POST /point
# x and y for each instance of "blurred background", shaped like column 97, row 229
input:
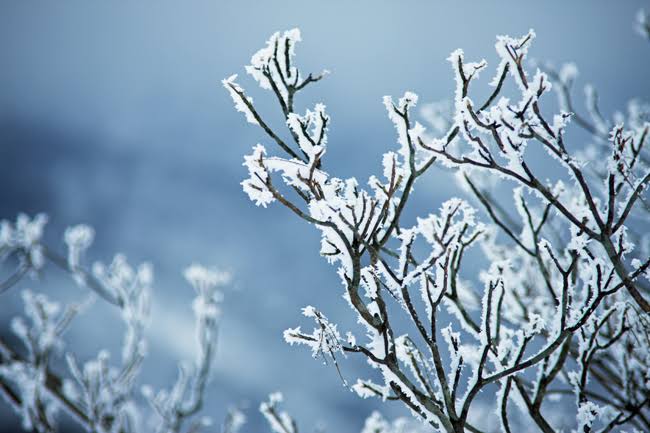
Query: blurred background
column 112, row 114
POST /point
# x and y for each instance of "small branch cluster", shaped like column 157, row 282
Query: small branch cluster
column 281, row 421
column 96, row 393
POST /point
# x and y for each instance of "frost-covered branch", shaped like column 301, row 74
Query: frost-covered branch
column 280, row 421
column 565, row 292
column 185, row 399
column 96, row 393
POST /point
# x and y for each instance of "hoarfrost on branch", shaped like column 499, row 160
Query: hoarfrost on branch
column 561, row 310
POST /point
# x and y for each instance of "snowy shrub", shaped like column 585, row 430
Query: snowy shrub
column 99, row 393
column 558, row 312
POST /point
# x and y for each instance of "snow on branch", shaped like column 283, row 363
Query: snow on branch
column 98, row 393
column 565, row 260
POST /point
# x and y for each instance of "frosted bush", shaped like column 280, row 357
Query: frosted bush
column 100, row 393
column 559, row 313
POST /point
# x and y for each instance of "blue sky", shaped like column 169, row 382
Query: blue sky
column 112, row 114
